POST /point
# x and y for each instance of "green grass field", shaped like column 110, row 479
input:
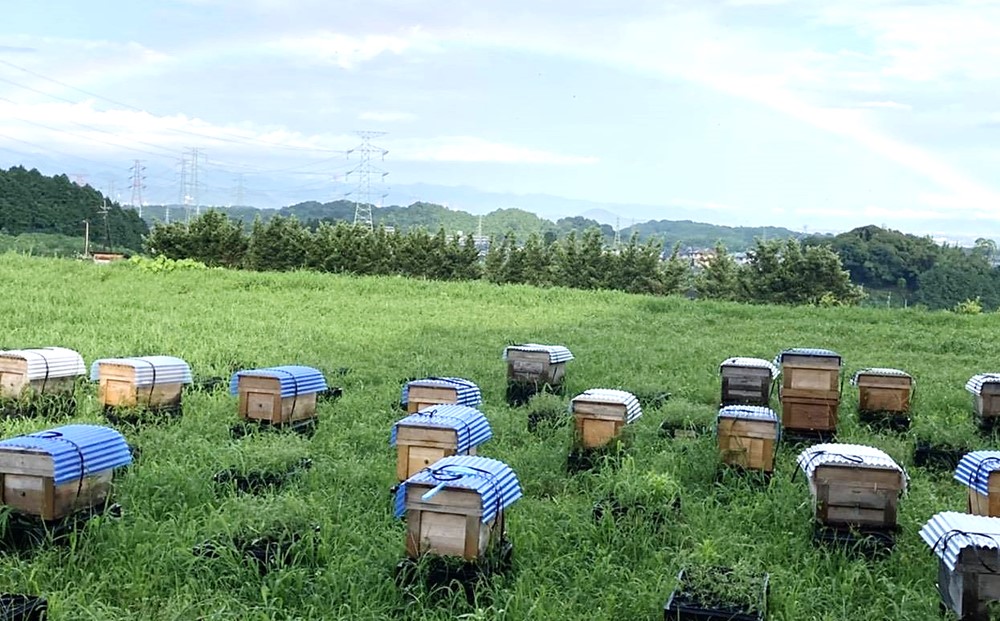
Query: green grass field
column 386, row 329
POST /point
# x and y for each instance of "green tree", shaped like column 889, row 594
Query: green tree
column 280, row 245
column 719, row 279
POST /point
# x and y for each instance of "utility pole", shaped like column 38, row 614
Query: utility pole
column 182, row 186
column 239, row 190
column 86, row 239
column 365, row 170
column 618, row 233
column 195, row 185
column 137, row 186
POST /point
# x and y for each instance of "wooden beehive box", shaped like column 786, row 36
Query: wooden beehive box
column 810, row 374
column 436, row 432
column 140, row 382
column 801, row 414
column 968, row 551
column 747, row 381
column 420, row 394
column 853, row 486
column 600, row 414
column 980, row 472
column 44, row 371
column 537, row 364
column 747, row 436
column 55, row 473
column 883, row 390
column 277, row 395
column 456, row 508
column 985, row 389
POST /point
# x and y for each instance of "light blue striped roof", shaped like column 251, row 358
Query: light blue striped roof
column 294, row 380
column 749, row 412
column 855, row 455
column 880, row 371
column 149, row 370
column 557, row 353
column 494, row 480
column 609, row 395
column 76, row 450
column 807, row 351
column 470, row 425
column 974, row 469
column 468, row 393
column 48, row 362
column 950, row 532
column 756, row 363
column 975, row 383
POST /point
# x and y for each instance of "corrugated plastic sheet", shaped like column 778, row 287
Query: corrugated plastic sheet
column 294, row 380
column 855, row 455
column 470, row 425
column 749, row 412
column 881, row 372
column 950, row 532
column 468, row 393
column 149, row 370
column 49, row 362
column 76, row 450
column 557, row 353
column 494, row 480
column 632, row 408
column 807, row 351
column 975, row 383
column 756, row 363
column 974, row 469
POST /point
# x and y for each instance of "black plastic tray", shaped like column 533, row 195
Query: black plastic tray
column 143, row 417
column 520, row 393
column 439, row 573
column 260, row 481
column 267, row 552
column 306, row 427
column 938, row 456
column 18, row 607
column 867, row 542
column 805, row 437
column 677, row 430
column 684, row 606
column 884, row 421
column 618, row 510
column 26, row 532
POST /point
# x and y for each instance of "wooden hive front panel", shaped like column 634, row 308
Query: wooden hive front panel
column 534, row 367
column 260, row 400
column 878, row 393
column 419, row 447
column 986, row 504
column 988, row 401
column 597, row 423
column 448, row 524
column 856, row 496
column 968, row 589
column 747, row 443
column 419, row 397
column 809, row 414
column 27, row 485
column 14, row 382
column 117, row 388
column 746, row 386
column 814, row 377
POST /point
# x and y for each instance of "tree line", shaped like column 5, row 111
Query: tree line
column 777, row 271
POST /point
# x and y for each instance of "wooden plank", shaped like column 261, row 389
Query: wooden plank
column 39, row 496
column 811, row 393
column 988, row 405
column 416, row 458
column 441, row 437
column 21, row 461
column 748, row 428
column 595, row 432
column 420, row 397
column 884, row 478
column 13, row 377
column 809, row 414
column 884, row 398
column 599, row 409
column 809, row 362
column 530, row 366
column 750, row 385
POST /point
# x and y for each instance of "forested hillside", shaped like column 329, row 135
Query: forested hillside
column 31, row 202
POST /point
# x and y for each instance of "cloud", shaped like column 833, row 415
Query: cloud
column 471, row 149
column 888, row 105
column 344, row 51
column 386, row 117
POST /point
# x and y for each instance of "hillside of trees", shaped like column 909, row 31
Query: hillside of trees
column 31, row 202
column 778, row 271
column 498, row 223
column 916, row 269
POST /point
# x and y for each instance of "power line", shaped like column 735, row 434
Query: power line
column 365, row 170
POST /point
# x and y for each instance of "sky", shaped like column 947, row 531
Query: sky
column 811, row 114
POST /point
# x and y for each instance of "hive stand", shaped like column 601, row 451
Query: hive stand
column 26, row 532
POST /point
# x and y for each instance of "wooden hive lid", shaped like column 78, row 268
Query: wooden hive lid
column 493, row 480
column 976, row 382
column 65, row 453
column 949, row 533
column 754, row 363
column 149, row 370
column 811, row 352
column 557, row 353
column 467, row 392
column 48, row 362
column 470, row 425
column 847, row 456
column 880, row 372
column 975, row 468
column 633, row 409
column 292, row 379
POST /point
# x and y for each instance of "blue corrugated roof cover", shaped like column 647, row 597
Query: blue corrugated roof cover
column 149, row 370
column 468, row 393
column 974, row 470
column 494, row 480
column 76, row 450
column 294, row 380
column 470, row 425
